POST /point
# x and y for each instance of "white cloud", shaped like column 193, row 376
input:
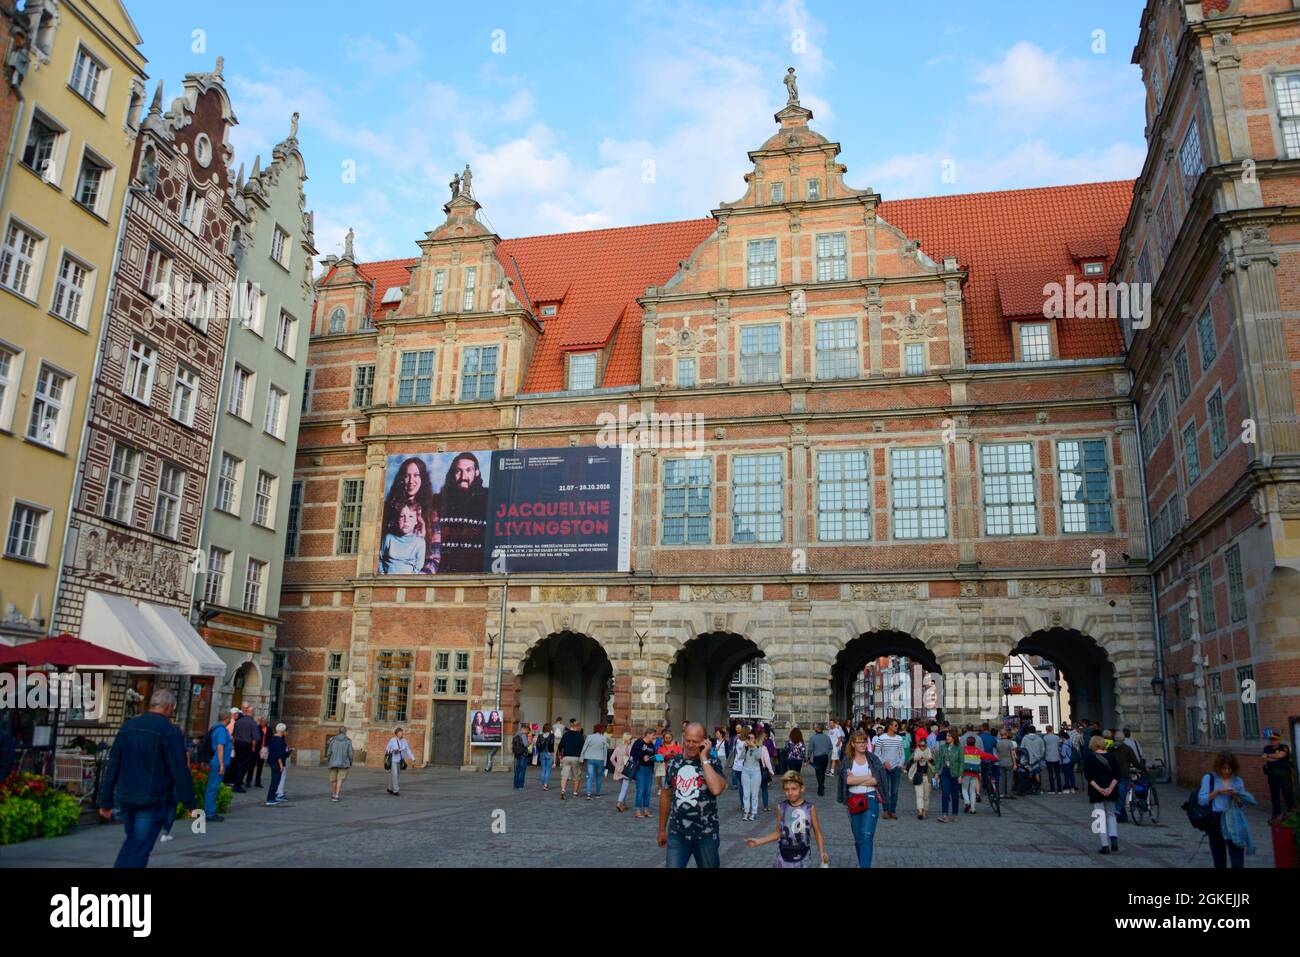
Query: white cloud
column 383, row 59
column 1029, row 80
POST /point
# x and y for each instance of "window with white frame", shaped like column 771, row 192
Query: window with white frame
column 280, row 247
column 264, row 500
column 760, row 262
column 10, row 369
column 1094, row 268
column 687, row 501
column 415, row 378
column 87, row 74
column 478, row 373
column 123, row 473
column 1010, row 505
column 843, row 496
column 914, row 358
column 94, row 184
column 1189, row 157
column 1236, row 583
column 156, row 277
column 241, row 393
column 46, row 144
column 228, row 481
column 141, row 366
column 919, row 493
column 167, row 507
column 192, row 210
column 1191, row 453
column 214, row 586
column 277, row 412
column 832, row 257
column 286, row 334
column 28, row 532
column 1085, row 485
column 338, row 320
column 293, row 520
column 439, row 289
column 776, row 193
column 1182, row 376
column 837, row 349
column 1205, row 335
column 1287, row 89
column 1218, row 426
column 1035, row 342
column 686, row 373
column 71, row 291
column 349, row 532
column 254, row 578
column 760, row 353
column 471, row 287
column 19, row 260
column 582, row 371
column 756, row 513
column 185, row 393
column 48, row 423
column 250, row 306
column 363, row 386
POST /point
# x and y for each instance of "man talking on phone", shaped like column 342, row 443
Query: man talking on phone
column 688, row 804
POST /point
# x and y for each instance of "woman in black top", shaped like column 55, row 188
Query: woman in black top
column 1101, row 774
column 545, row 745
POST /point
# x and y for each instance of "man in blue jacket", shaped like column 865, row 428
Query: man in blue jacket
column 146, row 777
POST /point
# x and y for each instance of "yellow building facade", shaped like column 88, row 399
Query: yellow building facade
column 83, row 89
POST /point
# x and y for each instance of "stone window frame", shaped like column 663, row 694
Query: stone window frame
column 734, row 461
column 760, row 358
column 918, row 508
column 1218, row 422
column 394, row 672
column 1010, row 504
column 1207, row 339
column 569, row 377
column 480, row 373
column 839, row 354
column 1249, row 709
column 1182, row 376
column 1191, row 158
column 348, row 522
column 693, row 379
column 363, row 389
column 831, row 259
column 1235, row 574
column 1208, row 613
column 776, row 193
column 909, row 349
column 337, row 324
column 1041, row 333
column 1218, row 706
column 1083, row 471
column 165, row 496
column 763, row 264
column 469, row 289
column 293, row 519
column 415, row 377
column 686, row 515
column 820, row 481
column 1191, row 452
column 1286, row 126
column 438, row 291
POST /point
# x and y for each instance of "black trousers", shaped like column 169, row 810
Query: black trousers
column 255, row 765
column 819, row 765
column 1281, row 793
column 1221, row 849
column 238, row 769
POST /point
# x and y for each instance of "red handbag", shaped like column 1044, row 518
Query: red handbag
column 858, row 803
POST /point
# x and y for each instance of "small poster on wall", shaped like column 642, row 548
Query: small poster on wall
column 485, row 729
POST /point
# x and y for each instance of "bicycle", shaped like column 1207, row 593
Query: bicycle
column 989, row 772
column 1142, row 800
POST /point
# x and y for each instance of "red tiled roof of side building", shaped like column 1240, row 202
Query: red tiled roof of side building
column 1024, row 232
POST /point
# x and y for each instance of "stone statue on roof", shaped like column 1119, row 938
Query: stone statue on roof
column 792, row 86
column 465, row 178
column 293, row 126
column 455, row 186
column 347, row 244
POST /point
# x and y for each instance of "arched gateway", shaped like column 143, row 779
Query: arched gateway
column 569, row 675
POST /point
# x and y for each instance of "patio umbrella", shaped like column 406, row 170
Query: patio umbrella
column 63, row 652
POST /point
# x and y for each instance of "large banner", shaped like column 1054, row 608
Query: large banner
column 507, row 511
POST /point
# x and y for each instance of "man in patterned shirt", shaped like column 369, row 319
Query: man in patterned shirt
column 688, row 804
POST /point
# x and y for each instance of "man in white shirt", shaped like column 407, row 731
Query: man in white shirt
column 836, row 734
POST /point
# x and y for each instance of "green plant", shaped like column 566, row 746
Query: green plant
column 199, row 777
column 30, row 806
column 1292, row 823
column 20, row 819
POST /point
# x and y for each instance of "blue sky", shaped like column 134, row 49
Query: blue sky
column 562, row 118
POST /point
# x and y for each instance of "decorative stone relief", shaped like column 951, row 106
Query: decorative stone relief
column 1054, row 587
column 885, row 591
column 567, row 594
column 720, row 593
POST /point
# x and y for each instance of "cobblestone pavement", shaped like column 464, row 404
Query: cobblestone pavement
column 445, row 818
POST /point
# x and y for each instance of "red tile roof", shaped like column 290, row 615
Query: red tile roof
column 1010, row 242
column 1020, row 233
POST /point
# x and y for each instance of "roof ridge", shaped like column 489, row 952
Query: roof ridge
column 612, row 229
column 1009, row 192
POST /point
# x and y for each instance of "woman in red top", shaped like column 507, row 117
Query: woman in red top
column 663, row 755
column 970, row 775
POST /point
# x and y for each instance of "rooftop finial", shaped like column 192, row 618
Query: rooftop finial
column 792, row 86
column 155, row 108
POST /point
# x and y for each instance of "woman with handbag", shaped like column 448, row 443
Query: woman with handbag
column 1102, row 775
column 545, row 747
column 766, row 770
column 796, row 752
column 951, row 761
column 395, row 757
column 750, row 758
column 861, row 777
column 622, row 771
column 920, row 770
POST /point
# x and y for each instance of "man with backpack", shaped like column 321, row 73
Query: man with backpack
column 1125, row 760
column 520, row 746
column 217, row 752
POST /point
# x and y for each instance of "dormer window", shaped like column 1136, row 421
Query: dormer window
column 1095, row 268
column 582, row 371
column 1035, row 342
column 548, row 311
column 778, row 193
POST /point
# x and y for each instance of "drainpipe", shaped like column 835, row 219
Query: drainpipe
column 501, row 633
column 1155, row 605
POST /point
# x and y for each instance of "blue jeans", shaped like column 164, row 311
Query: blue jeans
column 751, row 780
column 1067, row 768
column 948, row 784
column 596, row 772
column 738, row 786
column 645, row 780
column 210, row 792
column 1054, row 775
column 1120, row 792
column 895, row 776
column 864, row 830
column 682, row 849
column 544, row 763
column 521, row 770
column 143, row 825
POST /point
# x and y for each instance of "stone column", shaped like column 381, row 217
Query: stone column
column 446, row 364
column 649, row 342
column 799, row 479
column 722, row 316
column 875, row 360
column 512, row 361
column 952, row 301
column 353, row 706
column 1134, row 500
column 964, row 481
column 643, row 540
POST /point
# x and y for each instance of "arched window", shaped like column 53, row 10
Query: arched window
column 337, row 318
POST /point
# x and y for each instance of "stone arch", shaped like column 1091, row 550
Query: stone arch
column 1086, row 666
column 856, row 653
column 700, row 673
column 564, row 673
column 245, row 684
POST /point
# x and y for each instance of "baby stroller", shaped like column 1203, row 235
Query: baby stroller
column 1022, row 780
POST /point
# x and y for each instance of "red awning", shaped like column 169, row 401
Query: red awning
column 65, row 651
